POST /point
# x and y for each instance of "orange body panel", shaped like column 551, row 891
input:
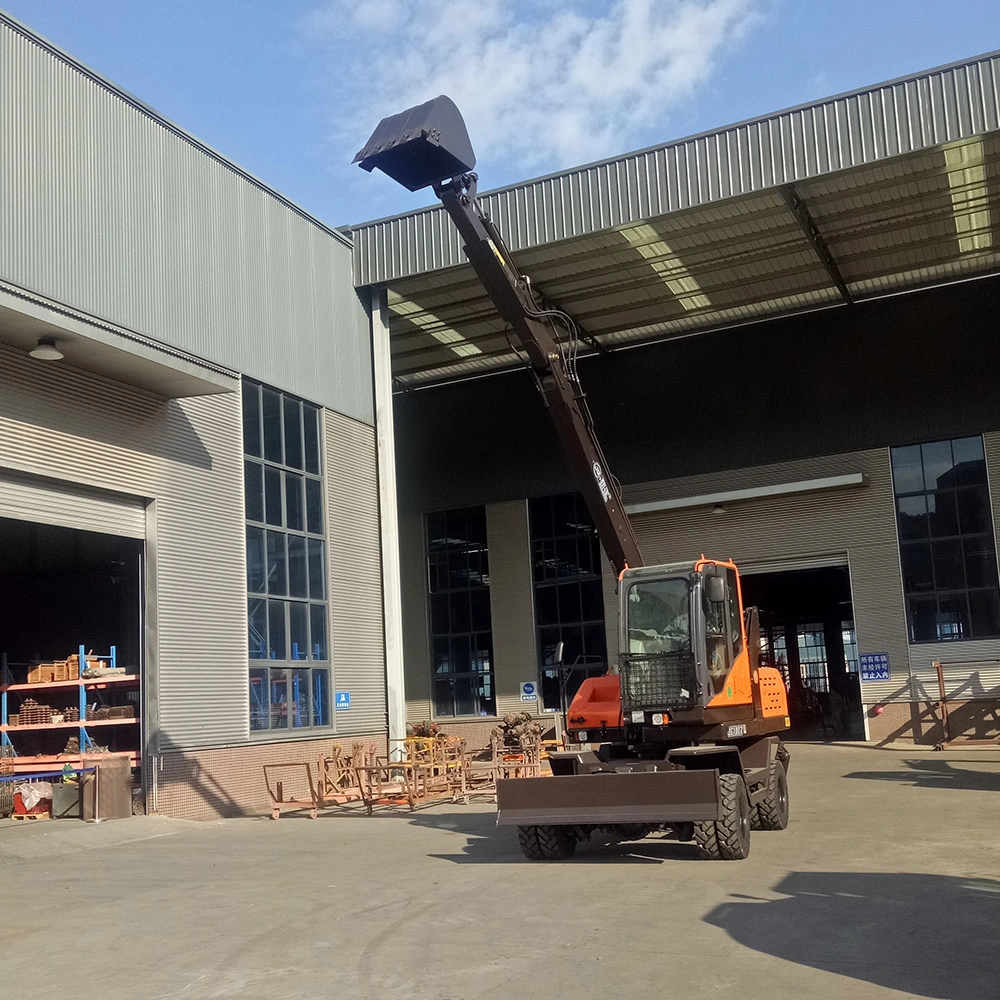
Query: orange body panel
column 597, row 704
column 773, row 696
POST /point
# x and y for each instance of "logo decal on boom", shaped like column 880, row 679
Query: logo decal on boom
column 602, row 483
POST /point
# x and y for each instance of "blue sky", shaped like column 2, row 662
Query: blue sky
column 290, row 90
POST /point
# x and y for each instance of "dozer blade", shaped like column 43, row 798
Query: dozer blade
column 609, row 799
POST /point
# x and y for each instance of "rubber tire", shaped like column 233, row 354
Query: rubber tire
column 771, row 813
column 727, row 839
column 546, row 843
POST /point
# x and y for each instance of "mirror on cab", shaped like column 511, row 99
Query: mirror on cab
column 715, row 589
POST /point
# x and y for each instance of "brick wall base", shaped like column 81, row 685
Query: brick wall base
column 211, row 784
column 920, row 721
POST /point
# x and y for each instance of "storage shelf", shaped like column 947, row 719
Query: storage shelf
column 27, row 765
column 83, row 724
column 86, row 682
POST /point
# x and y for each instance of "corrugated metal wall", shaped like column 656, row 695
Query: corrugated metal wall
column 118, row 214
column 357, row 639
column 186, row 457
column 512, row 604
column 862, row 127
column 33, row 498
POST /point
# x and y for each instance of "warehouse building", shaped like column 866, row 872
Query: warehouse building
column 188, row 458
column 213, row 407
column 787, row 336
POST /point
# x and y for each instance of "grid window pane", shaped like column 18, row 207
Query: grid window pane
column 276, row 631
column 256, row 563
column 253, row 488
column 317, row 569
column 301, row 683
column 279, row 699
column 257, row 618
column 321, row 697
column 459, row 613
column 259, row 711
column 292, row 411
column 314, row 506
column 294, row 506
column 310, row 427
column 285, row 560
column 272, row 497
column 272, row 424
column 251, row 419
column 947, row 547
column 317, row 631
column 277, row 564
column 298, row 631
column 298, row 576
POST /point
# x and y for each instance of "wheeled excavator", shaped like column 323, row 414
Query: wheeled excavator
column 688, row 724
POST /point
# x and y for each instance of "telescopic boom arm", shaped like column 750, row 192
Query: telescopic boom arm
column 428, row 146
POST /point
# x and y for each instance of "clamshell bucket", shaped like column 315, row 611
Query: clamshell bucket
column 420, row 146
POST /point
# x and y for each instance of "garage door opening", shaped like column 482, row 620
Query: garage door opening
column 60, row 589
column 807, row 631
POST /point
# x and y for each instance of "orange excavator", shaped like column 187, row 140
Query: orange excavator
column 688, row 723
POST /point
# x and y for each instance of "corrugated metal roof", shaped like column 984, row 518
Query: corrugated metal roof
column 898, row 182
column 862, row 127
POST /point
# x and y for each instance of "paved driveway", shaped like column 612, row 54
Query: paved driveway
column 886, row 884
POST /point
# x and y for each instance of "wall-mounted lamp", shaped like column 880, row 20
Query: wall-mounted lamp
column 718, row 509
column 46, row 350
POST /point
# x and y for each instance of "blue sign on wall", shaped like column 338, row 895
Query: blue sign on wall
column 874, row 666
column 343, row 701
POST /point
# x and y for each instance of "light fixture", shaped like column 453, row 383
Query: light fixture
column 47, row 350
column 718, row 509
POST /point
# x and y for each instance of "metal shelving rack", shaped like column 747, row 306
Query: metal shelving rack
column 83, row 684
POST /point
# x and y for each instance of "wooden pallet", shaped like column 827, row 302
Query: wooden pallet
column 41, row 815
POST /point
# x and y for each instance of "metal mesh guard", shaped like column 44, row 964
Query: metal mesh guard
column 657, row 682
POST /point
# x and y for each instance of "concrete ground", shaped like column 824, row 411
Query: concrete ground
column 884, row 885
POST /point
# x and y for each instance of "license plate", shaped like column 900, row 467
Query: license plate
column 733, row 731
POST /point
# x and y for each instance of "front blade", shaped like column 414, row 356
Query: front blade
column 608, row 799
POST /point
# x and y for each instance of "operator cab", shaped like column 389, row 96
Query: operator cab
column 681, row 636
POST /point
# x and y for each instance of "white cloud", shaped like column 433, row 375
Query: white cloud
column 542, row 85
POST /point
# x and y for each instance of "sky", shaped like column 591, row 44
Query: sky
column 291, row 90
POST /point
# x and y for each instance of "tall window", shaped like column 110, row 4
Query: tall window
column 946, row 540
column 569, row 595
column 286, row 562
column 458, row 579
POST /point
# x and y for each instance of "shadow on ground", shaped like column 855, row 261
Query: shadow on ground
column 937, row 774
column 926, row 935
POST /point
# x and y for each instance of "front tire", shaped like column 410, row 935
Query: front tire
column 727, row 839
column 772, row 811
column 546, row 843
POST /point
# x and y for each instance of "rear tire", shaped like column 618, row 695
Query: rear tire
column 727, row 839
column 546, row 843
column 771, row 813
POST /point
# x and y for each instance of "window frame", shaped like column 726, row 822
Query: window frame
column 440, row 584
column 268, row 674
column 966, row 545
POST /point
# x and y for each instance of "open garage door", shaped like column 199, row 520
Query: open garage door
column 69, row 505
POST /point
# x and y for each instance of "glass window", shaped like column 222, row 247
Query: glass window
column 253, row 487
column 946, row 540
column 310, row 429
column 569, row 595
column 251, row 419
column 286, row 559
column 292, row 410
column 461, row 637
column 272, row 425
column 256, row 564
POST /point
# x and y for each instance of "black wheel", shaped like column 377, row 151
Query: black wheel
column 727, row 839
column 546, row 843
column 771, row 813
